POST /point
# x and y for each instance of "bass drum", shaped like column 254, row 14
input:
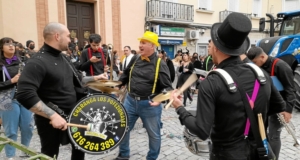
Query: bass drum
column 195, row 145
column 107, row 123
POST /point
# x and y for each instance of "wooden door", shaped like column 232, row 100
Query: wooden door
column 80, row 18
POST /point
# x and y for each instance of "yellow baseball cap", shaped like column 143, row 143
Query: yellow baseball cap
column 151, row 37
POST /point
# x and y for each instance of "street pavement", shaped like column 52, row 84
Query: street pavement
column 172, row 146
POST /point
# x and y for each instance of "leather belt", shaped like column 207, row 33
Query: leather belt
column 138, row 98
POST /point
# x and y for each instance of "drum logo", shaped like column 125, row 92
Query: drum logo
column 100, row 120
column 99, row 127
column 105, row 122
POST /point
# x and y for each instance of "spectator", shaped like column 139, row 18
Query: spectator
column 162, row 54
column 93, row 58
column 133, row 52
column 186, row 70
column 29, row 51
column 15, row 116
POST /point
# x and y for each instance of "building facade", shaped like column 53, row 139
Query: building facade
column 181, row 24
column 117, row 21
column 193, row 19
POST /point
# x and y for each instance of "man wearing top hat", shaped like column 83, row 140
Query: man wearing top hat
column 146, row 75
column 221, row 113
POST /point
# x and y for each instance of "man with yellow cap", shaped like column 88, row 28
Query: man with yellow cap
column 146, row 76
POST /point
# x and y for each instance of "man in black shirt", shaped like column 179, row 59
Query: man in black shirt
column 46, row 78
column 93, row 59
column 145, row 76
column 220, row 112
column 283, row 72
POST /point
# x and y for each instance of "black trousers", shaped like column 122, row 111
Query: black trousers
column 187, row 94
column 51, row 139
column 241, row 150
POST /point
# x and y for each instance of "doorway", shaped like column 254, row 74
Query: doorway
column 80, row 18
column 169, row 49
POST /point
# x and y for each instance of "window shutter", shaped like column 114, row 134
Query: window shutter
column 292, row 5
column 203, row 4
column 233, row 5
column 256, row 7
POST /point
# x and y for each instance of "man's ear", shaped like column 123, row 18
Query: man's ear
column 56, row 36
column 215, row 49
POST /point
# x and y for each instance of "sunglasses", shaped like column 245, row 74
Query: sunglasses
column 9, row 44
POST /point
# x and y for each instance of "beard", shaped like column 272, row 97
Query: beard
column 63, row 46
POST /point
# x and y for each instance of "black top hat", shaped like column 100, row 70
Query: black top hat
column 231, row 36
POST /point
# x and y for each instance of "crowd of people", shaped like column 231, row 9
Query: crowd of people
column 36, row 80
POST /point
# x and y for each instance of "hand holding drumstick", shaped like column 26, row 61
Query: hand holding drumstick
column 175, row 94
column 87, row 127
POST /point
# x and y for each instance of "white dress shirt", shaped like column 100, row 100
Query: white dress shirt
column 127, row 60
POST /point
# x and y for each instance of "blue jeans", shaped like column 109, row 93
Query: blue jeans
column 275, row 129
column 18, row 116
column 151, row 118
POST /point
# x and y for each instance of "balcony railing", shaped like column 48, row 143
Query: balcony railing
column 224, row 14
column 167, row 11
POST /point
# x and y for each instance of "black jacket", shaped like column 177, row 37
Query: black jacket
column 171, row 69
column 285, row 75
column 220, row 113
column 12, row 70
column 47, row 77
column 98, row 67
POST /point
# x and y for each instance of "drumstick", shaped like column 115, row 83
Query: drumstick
column 87, row 127
column 261, row 127
column 185, row 86
column 77, row 125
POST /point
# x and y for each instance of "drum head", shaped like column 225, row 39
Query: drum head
column 107, row 123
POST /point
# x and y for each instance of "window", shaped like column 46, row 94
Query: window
column 202, row 50
column 256, row 8
column 233, row 5
column 204, row 4
column 291, row 26
column 291, row 5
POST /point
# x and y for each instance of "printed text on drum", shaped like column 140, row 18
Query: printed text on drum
column 91, row 145
column 102, row 99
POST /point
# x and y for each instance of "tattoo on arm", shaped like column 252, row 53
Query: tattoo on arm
column 42, row 109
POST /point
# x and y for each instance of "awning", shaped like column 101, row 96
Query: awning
column 169, row 42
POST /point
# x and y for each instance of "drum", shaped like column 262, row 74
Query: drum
column 107, row 123
column 194, row 143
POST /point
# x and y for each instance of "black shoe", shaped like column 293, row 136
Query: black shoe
column 121, row 158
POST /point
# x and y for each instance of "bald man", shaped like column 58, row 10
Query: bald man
column 46, row 78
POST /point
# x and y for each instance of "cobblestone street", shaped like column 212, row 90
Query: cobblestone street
column 173, row 147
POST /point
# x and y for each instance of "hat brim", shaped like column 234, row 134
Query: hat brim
column 149, row 40
column 232, row 52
